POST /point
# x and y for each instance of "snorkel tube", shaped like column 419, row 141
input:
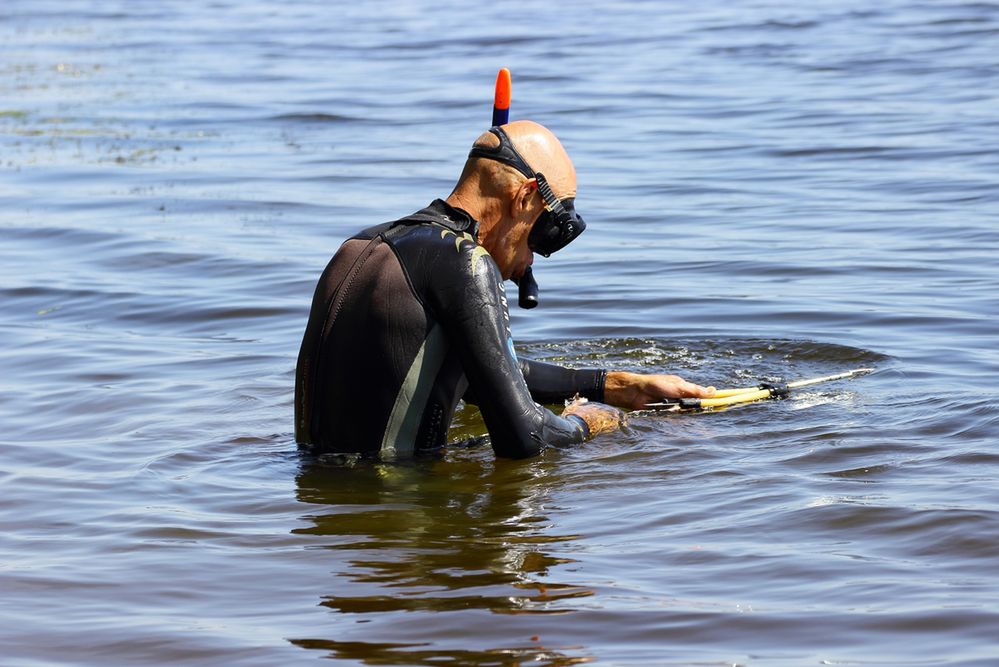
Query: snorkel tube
column 528, row 297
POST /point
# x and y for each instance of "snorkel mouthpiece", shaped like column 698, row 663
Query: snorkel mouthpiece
column 528, row 296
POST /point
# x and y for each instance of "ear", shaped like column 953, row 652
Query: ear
column 524, row 201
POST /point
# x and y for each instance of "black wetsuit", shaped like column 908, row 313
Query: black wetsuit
column 408, row 318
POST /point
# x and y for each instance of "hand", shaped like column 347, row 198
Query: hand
column 632, row 391
column 598, row 417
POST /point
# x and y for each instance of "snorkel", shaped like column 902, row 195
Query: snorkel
column 501, row 100
column 528, row 297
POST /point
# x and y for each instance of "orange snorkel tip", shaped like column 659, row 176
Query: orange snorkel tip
column 501, row 101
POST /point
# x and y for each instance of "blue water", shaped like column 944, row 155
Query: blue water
column 772, row 192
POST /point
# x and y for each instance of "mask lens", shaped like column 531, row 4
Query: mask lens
column 553, row 232
column 557, row 225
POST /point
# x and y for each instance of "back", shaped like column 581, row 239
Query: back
column 376, row 373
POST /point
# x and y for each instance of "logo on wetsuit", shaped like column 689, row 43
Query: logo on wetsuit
column 477, row 251
column 506, row 321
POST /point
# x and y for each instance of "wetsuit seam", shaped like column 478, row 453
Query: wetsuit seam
column 406, row 274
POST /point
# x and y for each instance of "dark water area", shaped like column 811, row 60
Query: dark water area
column 772, row 191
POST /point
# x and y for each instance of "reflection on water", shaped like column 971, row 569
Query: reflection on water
column 415, row 654
column 439, row 535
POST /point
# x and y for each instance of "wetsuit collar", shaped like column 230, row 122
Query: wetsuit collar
column 441, row 213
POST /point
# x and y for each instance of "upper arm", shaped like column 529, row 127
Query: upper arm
column 473, row 308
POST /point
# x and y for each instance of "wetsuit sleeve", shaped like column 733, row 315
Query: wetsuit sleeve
column 472, row 306
column 550, row 383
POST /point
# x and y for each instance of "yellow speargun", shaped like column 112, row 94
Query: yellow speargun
column 725, row 397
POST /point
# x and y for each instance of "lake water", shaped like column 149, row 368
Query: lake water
column 773, row 191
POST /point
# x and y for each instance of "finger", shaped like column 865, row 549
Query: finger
column 691, row 390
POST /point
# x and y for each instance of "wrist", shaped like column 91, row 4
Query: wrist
column 579, row 421
column 600, row 392
column 616, row 383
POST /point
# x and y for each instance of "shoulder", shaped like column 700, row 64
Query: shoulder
column 443, row 252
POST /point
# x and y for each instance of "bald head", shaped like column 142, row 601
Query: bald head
column 540, row 148
column 506, row 202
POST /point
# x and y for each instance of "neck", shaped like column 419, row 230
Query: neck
column 487, row 210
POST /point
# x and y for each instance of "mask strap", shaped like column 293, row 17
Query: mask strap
column 504, row 153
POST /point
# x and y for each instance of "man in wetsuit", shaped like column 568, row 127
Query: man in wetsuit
column 411, row 316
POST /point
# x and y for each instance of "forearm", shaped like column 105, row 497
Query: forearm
column 519, row 428
column 633, row 391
